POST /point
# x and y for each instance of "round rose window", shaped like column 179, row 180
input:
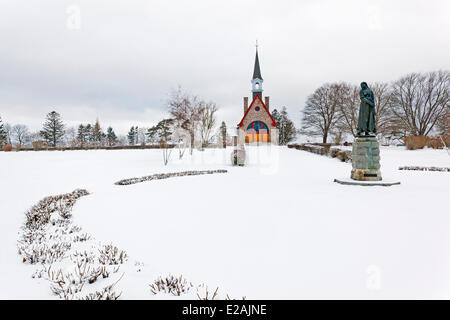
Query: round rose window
column 257, row 108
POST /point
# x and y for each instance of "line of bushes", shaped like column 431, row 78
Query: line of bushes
column 417, row 168
column 159, row 176
column 9, row 147
column 420, row 142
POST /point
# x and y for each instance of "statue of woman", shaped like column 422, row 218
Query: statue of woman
column 366, row 120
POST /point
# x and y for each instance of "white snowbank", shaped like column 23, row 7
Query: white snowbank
column 278, row 228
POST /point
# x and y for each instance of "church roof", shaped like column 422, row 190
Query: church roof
column 256, row 69
column 265, row 108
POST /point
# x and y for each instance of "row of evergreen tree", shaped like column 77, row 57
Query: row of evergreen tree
column 54, row 132
column 93, row 134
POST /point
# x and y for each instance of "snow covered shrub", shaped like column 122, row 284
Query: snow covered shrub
column 438, row 142
column 204, row 294
column 111, row 255
column 69, row 284
column 49, row 238
column 38, row 145
column 343, row 155
column 39, row 215
column 415, row 142
column 171, row 285
column 104, row 294
column 160, row 176
column 418, row 168
column 419, row 142
column 7, row 147
column 178, row 286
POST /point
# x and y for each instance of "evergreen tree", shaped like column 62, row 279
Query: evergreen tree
column 131, row 136
column 223, row 133
column 3, row 133
column 165, row 129
column 136, row 135
column 97, row 133
column 88, row 133
column 81, row 135
column 287, row 131
column 152, row 134
column 53, row 129
column 276, row 116
column 161, row 132
column 111, row 136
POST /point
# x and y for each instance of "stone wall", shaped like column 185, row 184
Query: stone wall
column 324, row 149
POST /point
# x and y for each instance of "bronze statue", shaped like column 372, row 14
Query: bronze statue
column 366, row 120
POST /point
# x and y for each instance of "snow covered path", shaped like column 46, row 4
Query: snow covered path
column 279, row 228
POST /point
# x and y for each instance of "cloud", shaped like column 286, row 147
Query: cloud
column 118, row 60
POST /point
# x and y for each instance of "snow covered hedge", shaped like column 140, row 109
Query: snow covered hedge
column 324, row 150
column 159, row 176
column 417, row 168
column 69, row 259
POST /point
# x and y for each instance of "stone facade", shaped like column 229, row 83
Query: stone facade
column 366, row 159
column 258, row 112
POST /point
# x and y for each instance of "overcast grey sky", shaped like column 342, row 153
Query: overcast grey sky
column 120, row 59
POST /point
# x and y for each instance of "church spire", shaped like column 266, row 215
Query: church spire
column 257, row 78
column 256, row 69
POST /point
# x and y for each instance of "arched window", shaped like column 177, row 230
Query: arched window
column 257, row 131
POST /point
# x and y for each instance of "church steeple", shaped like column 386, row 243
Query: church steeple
column 257, row 79
column 256, row 69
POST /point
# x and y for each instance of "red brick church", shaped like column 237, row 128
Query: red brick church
column 257, row 125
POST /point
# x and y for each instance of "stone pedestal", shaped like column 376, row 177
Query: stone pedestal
column 238, row 156
column 366, row 159
column 238, row 153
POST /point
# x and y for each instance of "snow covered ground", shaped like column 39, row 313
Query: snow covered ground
column 277, row 228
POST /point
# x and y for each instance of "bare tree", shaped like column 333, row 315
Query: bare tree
column 207, row 122
column 443, row 123
column 321, row 112
column 70, row 136
column 421, row 100
column 185, row 110
column 384, row 121
column 9, row 133
column 142, row 135
column 182, row 139
column 21, row 133
column 348, row 109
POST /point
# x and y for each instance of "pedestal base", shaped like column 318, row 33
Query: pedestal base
column 238, row 156
column 366, row 159
column 384, row 183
